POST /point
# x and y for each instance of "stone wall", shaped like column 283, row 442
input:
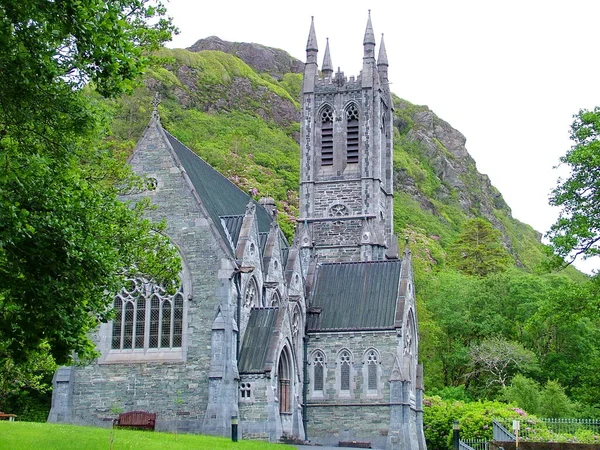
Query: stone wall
column 177, row 391
column 361, row 414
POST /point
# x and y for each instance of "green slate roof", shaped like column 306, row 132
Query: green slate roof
column 219, row 196
column 261, row 327
column 355, row 296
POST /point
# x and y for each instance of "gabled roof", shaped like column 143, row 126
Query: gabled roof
column 220, row 197
column 355, row 296
column 257, row 344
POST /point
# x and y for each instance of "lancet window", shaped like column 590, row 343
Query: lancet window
column 284, row 377
column 372, row 361
column 318, row 372
column 344, row 367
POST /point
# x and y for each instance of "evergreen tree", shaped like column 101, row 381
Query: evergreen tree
column 478, row 249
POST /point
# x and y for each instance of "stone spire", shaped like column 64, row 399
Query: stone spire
column 327, row 66
column 382, row 59
column 369, row 69
column 311, row 67
column 369, row 40
column 311, row 44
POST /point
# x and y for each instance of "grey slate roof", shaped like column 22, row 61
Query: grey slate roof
column 355, row 296
column 219, row 196
column 255, row 348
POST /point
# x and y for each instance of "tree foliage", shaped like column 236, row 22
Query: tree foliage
column 478, row 249
column 65, row 239
column 577, row 230
column 498, row 359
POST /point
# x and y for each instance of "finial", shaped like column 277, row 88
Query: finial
column 155, row 102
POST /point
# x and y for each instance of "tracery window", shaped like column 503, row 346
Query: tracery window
column 146, row 317
column 250, row 296
column 352, row 138
column 245, row 390
column 338, row 210
column 318, row 371
column 344, row 363
column 326, row 136
column 372, row 378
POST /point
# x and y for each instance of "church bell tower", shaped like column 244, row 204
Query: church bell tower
column 346, row 191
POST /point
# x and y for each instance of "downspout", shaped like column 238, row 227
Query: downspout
column 305, row 386
column 237, row 281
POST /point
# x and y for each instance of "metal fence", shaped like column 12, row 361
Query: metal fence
column 556, row 430
column 474, row 444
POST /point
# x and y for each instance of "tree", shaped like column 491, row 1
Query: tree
column 498, row 359
column 478, row 249
column 554, row 402
column 66, row 241
column 577, row 230
column 524, row 392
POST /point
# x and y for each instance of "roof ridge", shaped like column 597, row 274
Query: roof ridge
column 333, row 263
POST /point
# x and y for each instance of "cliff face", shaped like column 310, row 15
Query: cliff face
column 262, row 59
column 236, row 104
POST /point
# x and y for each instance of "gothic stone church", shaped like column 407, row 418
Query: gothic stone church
column 317, row 340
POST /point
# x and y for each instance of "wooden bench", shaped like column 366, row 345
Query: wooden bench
column 10, row 417
column 355, row 444
column 136, row 420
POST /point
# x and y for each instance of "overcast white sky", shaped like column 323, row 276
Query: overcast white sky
column 508, row 74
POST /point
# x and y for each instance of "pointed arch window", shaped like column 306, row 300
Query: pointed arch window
column 352, row 134
column 318, row 372
column 284, row 377
column 372, row 361
column 344, row 364
column 147, row 317
column 326, row 118
column 250, row 296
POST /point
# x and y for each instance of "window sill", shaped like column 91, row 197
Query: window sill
column 142, row 356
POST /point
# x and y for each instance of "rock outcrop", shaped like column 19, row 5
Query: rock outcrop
column 262, row 59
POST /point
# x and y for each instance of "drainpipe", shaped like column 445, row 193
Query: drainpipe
column 238, row 281
column 305, row 386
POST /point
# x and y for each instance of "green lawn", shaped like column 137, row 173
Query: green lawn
column 43, row 436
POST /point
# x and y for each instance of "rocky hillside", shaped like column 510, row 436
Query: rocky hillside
column 236, row 105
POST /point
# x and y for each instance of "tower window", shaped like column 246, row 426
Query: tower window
column 352, row 141
column 327, row 136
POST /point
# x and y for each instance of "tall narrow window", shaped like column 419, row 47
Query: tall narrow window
column 327, row 136
column 284, row 376
column 352, row 140
column 318, row 383
column 372, row 379
column 345, row 371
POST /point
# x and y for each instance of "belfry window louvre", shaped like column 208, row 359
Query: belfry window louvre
column 352, row 134
column 146, row 317
column 327, row 136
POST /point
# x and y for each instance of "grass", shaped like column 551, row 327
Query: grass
column 31, row 435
